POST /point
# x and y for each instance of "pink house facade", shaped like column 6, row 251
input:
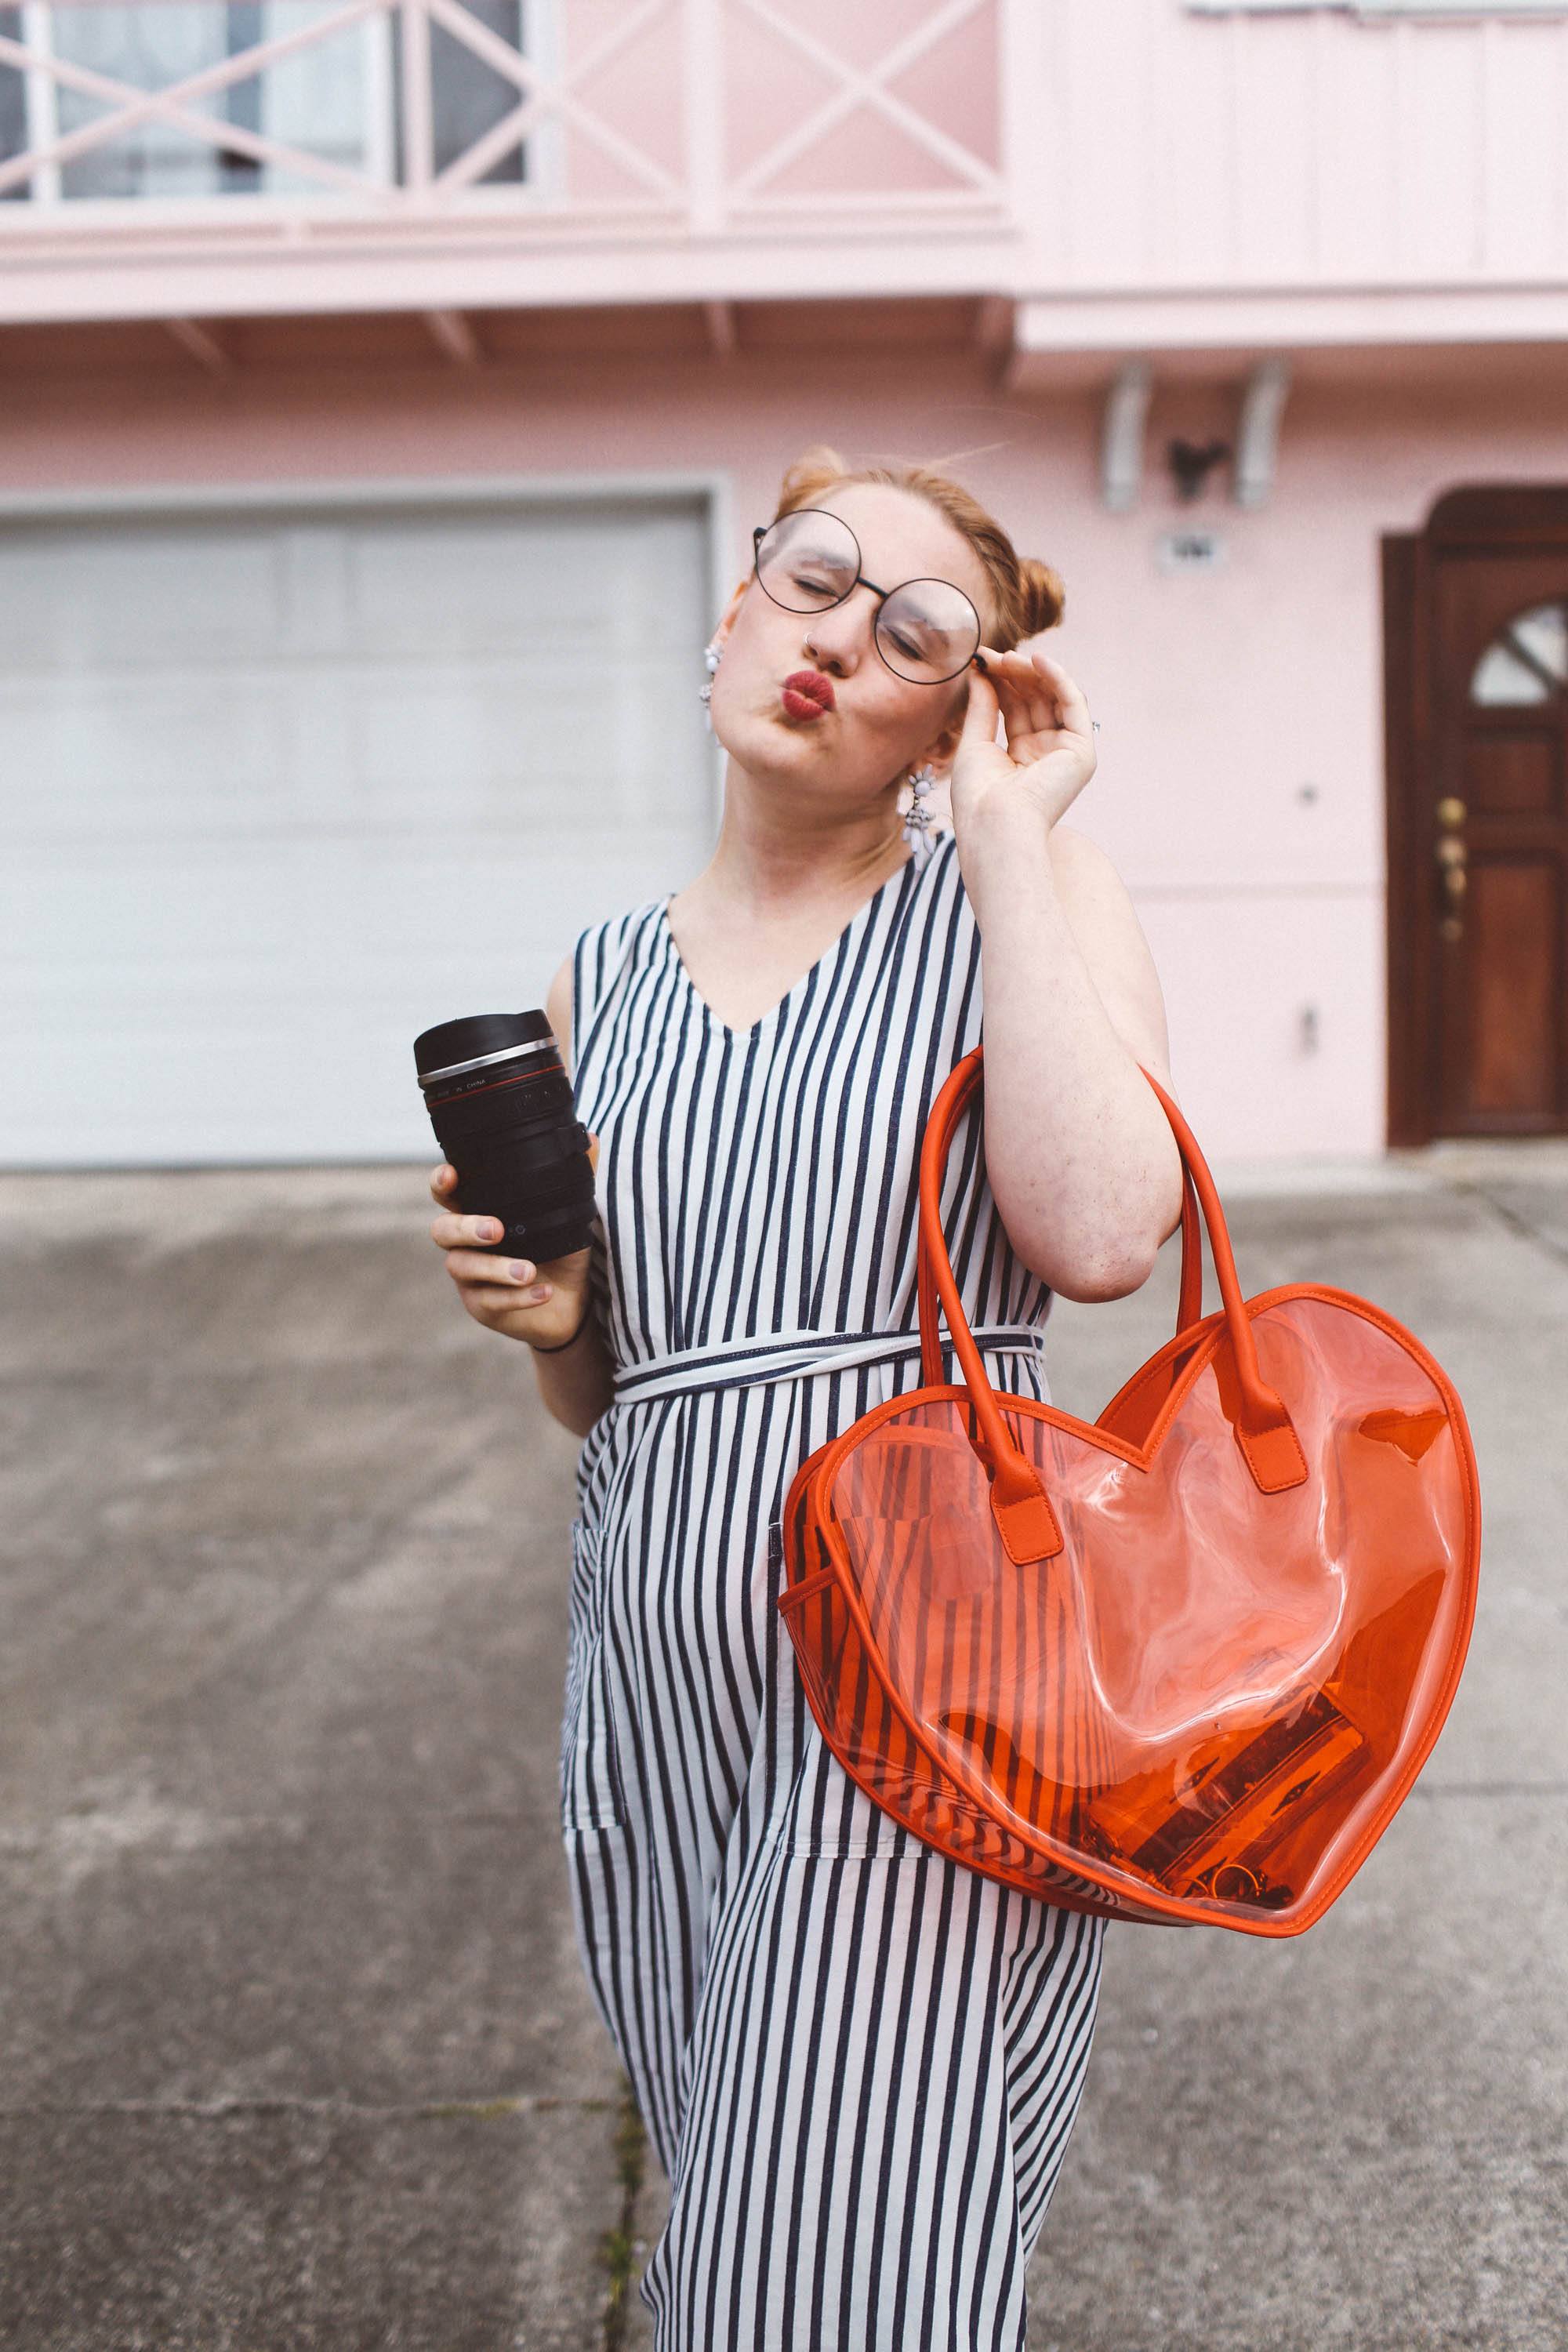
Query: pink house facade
column 388, row 388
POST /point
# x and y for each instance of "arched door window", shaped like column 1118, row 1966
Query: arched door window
column 1526, row 663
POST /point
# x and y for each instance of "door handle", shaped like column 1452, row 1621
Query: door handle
column 1453, row 859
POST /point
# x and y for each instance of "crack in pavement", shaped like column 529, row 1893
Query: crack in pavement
column 1474, row 1189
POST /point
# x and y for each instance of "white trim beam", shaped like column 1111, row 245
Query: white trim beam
column 1206, row 320
column 469, row 264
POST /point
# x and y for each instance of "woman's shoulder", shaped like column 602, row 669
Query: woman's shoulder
column 598, row 943
column 602, row 953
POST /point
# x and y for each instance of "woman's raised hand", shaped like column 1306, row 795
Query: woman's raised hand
column 543, row 1304
column 1048, row 756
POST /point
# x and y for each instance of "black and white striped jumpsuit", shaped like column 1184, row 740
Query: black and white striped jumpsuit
column 857, row 2062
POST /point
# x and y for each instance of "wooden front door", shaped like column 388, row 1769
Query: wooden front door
column 1475, row 622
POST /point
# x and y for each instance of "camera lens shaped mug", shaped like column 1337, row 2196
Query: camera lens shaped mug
column 502, row 1105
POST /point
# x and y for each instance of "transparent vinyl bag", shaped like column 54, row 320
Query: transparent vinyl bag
column 1181, row 1664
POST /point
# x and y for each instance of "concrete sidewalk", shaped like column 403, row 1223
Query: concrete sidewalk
column 298, row 2051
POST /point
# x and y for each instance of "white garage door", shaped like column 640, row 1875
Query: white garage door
column 285, row 787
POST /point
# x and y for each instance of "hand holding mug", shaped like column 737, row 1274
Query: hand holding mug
column 541, row 1304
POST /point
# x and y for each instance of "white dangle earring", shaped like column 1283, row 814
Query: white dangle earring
column 711, row 657
column 917, row 816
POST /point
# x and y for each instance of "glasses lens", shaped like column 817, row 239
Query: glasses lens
column 928, row 630
column 808, row 560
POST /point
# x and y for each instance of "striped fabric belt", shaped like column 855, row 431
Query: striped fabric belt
column 797, row 1355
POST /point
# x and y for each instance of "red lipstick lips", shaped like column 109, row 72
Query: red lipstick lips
column 807, row 694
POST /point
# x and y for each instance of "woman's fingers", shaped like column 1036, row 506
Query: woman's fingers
column 1069, row 697
column 499, row 1273
column 452, row 1230
column 1037, row 694
column 488, row 1298
column 1025, row 708
column 511, row 1295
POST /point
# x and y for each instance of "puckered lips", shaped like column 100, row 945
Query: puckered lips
column 807, row 694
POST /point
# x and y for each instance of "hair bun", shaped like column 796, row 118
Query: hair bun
column 1045, row 598
column 811, row 477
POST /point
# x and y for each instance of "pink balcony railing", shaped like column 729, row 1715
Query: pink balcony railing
column 340, row 123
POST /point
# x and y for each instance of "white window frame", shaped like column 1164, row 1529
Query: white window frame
column 540, row 29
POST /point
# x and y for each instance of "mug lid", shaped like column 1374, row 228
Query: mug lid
column 478, row 1037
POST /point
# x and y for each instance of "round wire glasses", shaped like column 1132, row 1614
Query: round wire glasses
column 926, row 630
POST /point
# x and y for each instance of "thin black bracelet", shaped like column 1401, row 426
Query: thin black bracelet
column 560, row 1344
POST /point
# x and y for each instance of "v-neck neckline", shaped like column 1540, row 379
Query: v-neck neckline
column 830, row 954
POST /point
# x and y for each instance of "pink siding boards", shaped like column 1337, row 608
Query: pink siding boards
column 1306, row 150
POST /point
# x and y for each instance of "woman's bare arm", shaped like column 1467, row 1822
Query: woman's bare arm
column 1083, row 1165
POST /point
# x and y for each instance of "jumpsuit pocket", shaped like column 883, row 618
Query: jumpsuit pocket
column 827, row 1816
column 591, row 1795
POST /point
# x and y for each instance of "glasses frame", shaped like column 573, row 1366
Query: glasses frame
column 760, row 531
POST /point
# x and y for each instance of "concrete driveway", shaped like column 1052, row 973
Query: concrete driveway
column 297, row 2050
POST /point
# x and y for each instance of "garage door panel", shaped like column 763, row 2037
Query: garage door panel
column 74, row 596
column 333, row 912
column 257, row 1075
column 493, row 754
column 148, row 755
column 141, row 919
column 240, row 753
column 254, row 858
column 528, row 747
column 470, row 589
column 475, row 585
column 208, row 1073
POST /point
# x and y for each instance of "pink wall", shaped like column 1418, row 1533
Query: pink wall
column 1221, row 695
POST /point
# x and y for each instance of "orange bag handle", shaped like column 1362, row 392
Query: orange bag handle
column 1189, row 1300
column 1190, row 1294
column 1019, row 1504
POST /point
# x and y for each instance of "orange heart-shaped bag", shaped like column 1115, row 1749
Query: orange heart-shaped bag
column 1182, row 1663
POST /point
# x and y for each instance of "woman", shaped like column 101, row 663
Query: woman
column 857, row 2062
